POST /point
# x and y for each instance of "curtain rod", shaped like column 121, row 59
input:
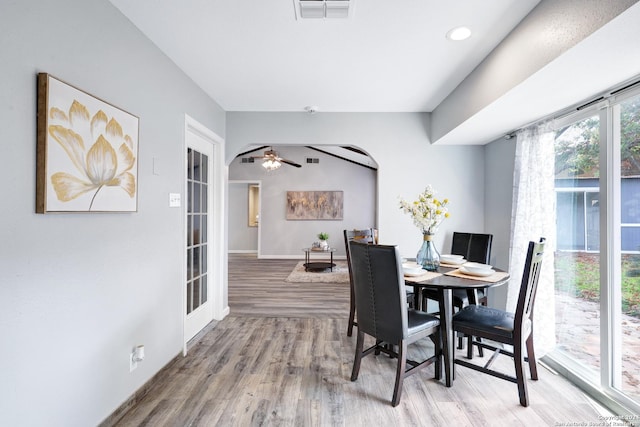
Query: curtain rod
column 607, row 94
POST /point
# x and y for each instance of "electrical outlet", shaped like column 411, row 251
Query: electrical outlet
column 132, row 363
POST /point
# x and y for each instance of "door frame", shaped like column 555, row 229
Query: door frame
column 259, row 184
column 217, row 254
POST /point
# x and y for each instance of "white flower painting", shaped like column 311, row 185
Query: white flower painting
column 87, row 152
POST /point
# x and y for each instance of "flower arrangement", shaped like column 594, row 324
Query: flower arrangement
column 427, row 212
column 323, row 236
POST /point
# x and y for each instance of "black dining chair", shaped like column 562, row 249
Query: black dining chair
column 474, row 247
column 502, row 327
column 367, row 235
column 383, row 313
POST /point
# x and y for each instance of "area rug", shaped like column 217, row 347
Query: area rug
column 340, row 274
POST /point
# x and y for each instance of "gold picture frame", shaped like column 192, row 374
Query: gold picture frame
column 87, row 152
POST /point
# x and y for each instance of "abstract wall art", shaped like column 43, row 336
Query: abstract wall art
column 310, row 205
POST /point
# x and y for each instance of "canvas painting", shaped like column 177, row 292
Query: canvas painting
column 309, row 205
column 87, row 152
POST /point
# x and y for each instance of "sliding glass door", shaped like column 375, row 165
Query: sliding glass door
column 597, row 262
column 626, row 296
column 577, row 260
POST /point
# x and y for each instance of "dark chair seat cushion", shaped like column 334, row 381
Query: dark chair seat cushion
column 482, row 318
column 419, row 320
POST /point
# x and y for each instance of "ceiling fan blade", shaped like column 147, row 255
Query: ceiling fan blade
column 289, row 162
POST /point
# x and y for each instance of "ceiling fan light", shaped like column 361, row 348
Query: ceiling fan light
column 270, row 164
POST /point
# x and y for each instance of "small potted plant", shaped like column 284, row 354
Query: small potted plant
column 323, row 240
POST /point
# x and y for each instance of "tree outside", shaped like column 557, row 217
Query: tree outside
column 577, row 156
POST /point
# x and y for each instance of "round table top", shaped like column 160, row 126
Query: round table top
column 453, row 282
column 319, row 250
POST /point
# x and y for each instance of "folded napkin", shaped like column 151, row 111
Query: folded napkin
column 495, row 277
column 427, row 275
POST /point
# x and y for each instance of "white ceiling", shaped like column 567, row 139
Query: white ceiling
column 390, row 56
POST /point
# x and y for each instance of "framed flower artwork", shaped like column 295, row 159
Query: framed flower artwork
column 87, row 152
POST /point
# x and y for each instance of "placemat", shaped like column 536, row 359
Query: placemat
column 495, row 277
column 427, row 275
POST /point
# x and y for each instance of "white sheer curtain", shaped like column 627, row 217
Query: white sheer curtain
column 533, row 216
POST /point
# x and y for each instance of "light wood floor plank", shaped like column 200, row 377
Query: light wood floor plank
column 282, row 358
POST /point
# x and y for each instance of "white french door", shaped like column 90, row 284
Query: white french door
column 204, row 285
column 199, row 309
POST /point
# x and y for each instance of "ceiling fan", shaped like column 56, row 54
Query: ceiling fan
column 272, row 161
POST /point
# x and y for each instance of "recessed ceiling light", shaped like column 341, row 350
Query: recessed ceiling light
column 459, row 33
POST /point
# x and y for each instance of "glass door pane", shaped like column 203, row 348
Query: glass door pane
column 577, row 261
column 629, row 292
column 197, row 211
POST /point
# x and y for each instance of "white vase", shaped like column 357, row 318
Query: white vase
column 323, row 244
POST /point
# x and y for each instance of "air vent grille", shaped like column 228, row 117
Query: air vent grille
column 248, row 160
column 312, row 160
column 321, row 9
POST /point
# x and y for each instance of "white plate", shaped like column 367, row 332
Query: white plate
column 477, row 272
column 452, row 261
column 413, row 271
column 451, row 257
column 477, row 265
column 411, row 265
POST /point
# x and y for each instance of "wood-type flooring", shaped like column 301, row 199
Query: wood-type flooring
column 283, row 358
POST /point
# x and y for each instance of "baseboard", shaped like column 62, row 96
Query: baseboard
column 296, row 256
column 138, row 395
column 242, row 251
column 300, row 257
column 225, row 312
column 202, row 333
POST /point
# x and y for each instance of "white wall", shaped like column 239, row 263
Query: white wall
column 407, row 162
column 78, row 291
column 282, row 238
column 498, row 194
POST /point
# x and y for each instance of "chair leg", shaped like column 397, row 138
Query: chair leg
column 358, row 357
column 470, row 347
column 400, row 371
column 518, row 358
column 533, row 367
column 377, row 349
column 437, row 345
column 352, row 313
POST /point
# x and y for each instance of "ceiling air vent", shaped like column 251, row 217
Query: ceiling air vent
column 248, row 160
column 320, row 9
column 312, row 160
